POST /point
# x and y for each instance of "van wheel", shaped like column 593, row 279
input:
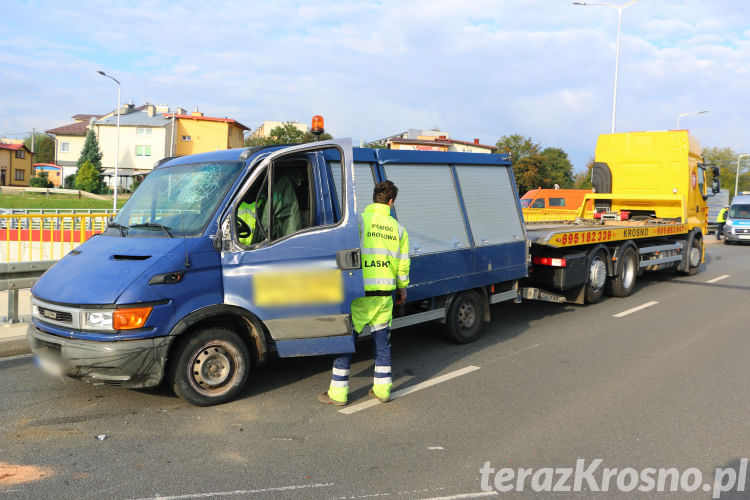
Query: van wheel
column 464, row 321
column 694, row 256
column 210, row 368
column 623, row 285
column 596, row 279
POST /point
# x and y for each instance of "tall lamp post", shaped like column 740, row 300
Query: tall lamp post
column 677, row 125
column 619, row 9
column 737, row 179
column 117, row 139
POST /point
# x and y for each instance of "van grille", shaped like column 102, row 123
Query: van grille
column 60, row 316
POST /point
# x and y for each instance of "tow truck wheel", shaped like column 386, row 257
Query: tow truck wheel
column 694, row 256
column 464, row 321
column 210, row 368
column 597, row 278
column 623, row 285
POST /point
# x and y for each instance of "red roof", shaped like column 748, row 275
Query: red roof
column 77, row 128
column 208, row 119
column 13, row 147
column 475, row 144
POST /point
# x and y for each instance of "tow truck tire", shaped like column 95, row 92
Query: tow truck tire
column 623, row 285
column 464, row 320
column 596, row 279
column 210, row 368
column 695, row 255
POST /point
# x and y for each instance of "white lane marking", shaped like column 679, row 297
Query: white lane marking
column 20, row 356
column 403, row 392
column 723, row 276
column 636, row 309
column 478, row 494
column 238, row 492
column 435, row 448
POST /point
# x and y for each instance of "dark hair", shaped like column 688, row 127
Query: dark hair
column 384, row 192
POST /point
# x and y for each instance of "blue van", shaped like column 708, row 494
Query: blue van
column 180, row 288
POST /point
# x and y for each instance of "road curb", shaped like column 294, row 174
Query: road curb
column 14, row 346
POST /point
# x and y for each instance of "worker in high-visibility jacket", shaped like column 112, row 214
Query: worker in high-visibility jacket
column 385, row 270
column 722, row 220
column 246, row 212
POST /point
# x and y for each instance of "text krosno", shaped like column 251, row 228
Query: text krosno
column 594, row 478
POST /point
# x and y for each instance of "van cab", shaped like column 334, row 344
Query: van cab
column 737, row 226
column 560, row 199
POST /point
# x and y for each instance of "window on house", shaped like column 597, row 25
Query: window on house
column 21, row 154
column 143, row 150
column 142, row 131
column 186, row 138
column 19, row 175
column 65, row 147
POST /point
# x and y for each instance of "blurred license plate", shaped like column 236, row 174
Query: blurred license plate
column 298, row 288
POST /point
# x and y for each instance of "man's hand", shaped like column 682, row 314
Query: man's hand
column 400, row 296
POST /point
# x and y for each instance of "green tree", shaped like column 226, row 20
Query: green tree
column 70, row 182
column 91, row 153
column 582, row 180
column 88, row 178
column 517, row 147
column 381, row 144
column 44, row 148
column 42, row 181
column 557, row 168
column 726, row 160
column 287, row 133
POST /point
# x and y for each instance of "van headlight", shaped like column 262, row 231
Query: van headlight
column 97, row 320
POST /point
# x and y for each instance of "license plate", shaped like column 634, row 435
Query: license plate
column 50, row 365
column 298, row 288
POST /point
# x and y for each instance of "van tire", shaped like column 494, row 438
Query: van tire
column 210, row 367
column 596, row 279
column 464, row 320
column 623, row 284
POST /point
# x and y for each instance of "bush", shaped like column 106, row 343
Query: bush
column 42, row 181
column 70, row 182
column 87, row 178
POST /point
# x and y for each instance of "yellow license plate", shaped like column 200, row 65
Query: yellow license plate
column 298, row 288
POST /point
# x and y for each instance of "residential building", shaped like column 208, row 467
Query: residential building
column 15, row 164
column 69, row 141
column 434, row 140
column 197, row 133
column 264, row 131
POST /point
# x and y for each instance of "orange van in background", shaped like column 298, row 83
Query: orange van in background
column 561, row 199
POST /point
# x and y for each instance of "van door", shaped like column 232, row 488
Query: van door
column 298, row 267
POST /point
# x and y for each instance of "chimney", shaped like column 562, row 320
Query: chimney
column 476, row 141
column 196, row 112
column 442, row 137
column 150, row 109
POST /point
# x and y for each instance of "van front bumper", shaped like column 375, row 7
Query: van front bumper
column 123, row 363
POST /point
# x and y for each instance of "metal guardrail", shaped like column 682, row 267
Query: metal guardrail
column 17, row 276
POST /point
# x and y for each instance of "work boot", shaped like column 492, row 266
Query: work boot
column 383, row 399
column 323, row 397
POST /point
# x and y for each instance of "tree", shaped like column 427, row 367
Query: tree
column 557, row 168
column 582, row 180
column 726, row 160
column 41, row 181
column 287, row 133
column 517, row 147
column 70, row 182
column 535, row 167
column 88, row 178
column 91, row 152
column 380, row 144
column 44, row 148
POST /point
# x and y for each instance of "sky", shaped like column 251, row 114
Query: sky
column 476, row 69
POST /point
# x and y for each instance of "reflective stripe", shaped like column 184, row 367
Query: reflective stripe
column 384, row 251
column 400, row 232
column 402, row 277
column 380, row 281
column 382, row 369
column 341, row 372
column 382, row 381
column 339, row 383
column 379, row 326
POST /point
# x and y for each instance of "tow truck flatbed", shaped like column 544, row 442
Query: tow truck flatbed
column 588, row 232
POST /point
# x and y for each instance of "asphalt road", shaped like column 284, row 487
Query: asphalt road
column 547, row 385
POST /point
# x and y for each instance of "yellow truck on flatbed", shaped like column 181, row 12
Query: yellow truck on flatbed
column 650, row 213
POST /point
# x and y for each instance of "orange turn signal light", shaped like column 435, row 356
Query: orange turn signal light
column 129, row 319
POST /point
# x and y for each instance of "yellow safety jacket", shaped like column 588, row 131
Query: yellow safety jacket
column 246, row 212
column 385, row 250
column 722, row 217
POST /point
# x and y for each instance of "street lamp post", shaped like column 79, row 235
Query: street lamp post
column 117, row 139
column 619, row 9
column 737, row 179
column 677, row 125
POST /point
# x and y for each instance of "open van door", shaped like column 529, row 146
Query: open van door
column 296, row 265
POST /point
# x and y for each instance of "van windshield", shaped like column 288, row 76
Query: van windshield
column 175, row 201
column 525, row 202
column 740, row 211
